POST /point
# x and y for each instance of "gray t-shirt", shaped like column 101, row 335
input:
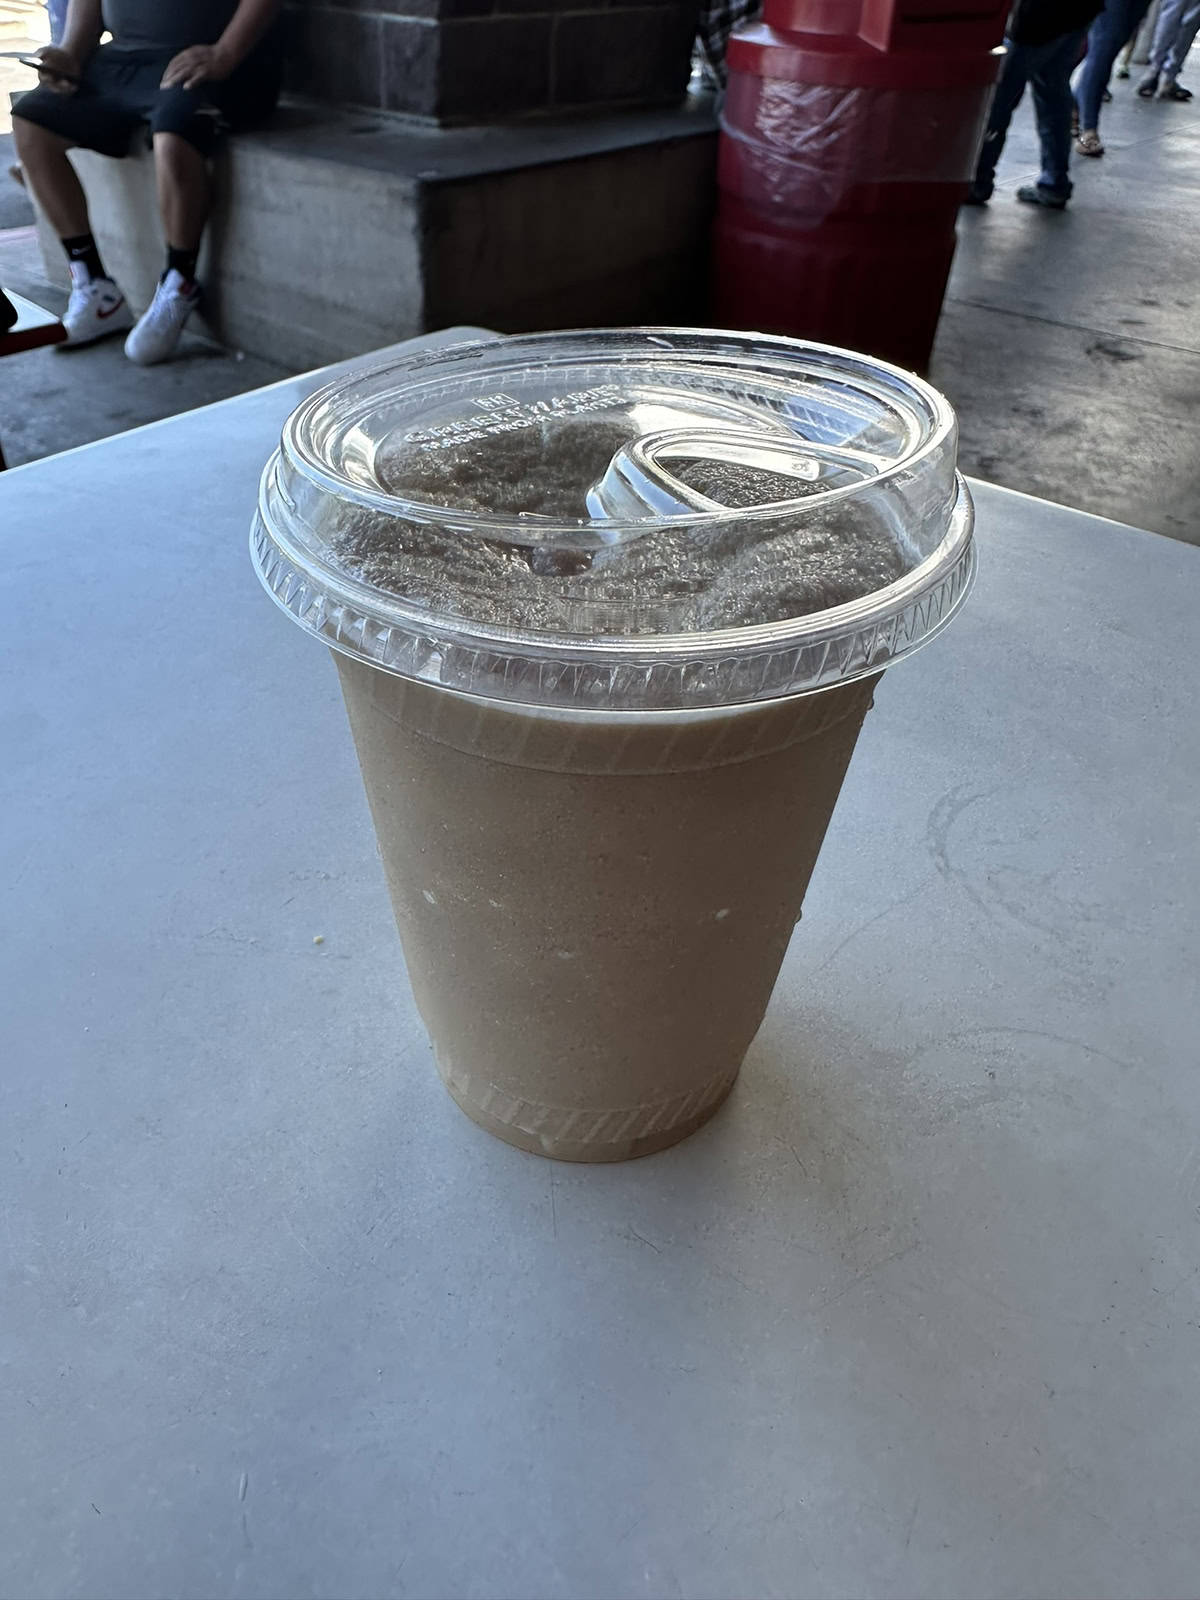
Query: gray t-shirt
column 167, row 25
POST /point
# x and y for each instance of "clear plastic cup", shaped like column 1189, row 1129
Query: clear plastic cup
column 608, row 609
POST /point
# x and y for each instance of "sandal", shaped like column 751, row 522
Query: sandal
column 1088, row 143
column 1149, row 84
column 1173, row 91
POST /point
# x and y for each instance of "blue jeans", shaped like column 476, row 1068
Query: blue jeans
column 1047, row 69
column 1110, row 32
column 58, row 19
column 1178, row 24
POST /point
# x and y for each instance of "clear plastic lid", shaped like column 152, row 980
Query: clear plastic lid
column 648, row 519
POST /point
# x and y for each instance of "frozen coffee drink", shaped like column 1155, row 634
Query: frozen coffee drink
column 608, row 609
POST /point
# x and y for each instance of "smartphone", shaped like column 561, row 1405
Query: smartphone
column 39, row 65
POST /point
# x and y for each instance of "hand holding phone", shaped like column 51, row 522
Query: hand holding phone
column 56, row 69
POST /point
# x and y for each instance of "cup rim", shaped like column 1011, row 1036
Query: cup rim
column 669, row 670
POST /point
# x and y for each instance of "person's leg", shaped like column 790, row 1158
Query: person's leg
column 1089, row 86
column 1050, row 81
column 46, row 125
column 1185, row 33
column 1005, row 101
column 1165, row 32
column 51, row 177
column 57, row 10
column 184, row 193
column 185, row 124
column 1108, row 33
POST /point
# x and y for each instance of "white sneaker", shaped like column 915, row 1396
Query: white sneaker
column 96, row 308
column 158, row 328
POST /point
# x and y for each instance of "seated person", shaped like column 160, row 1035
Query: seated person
column 190, row 70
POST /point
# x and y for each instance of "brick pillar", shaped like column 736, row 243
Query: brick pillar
column 455, row 61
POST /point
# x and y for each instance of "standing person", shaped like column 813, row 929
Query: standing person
column 189, row 69
column 1138, row 48
column 716, row 21
column 1178, row 24
column 1112, row 29
column 1041, row 49
column 57, row 12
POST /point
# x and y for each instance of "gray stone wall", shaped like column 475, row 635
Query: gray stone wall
column 453, row 61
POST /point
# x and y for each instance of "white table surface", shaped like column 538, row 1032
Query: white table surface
column 917, row 1314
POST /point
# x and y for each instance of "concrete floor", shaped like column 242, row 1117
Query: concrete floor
column 1070, row 343
column 55, row 399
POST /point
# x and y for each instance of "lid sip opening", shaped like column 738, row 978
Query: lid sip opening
column 667, row 474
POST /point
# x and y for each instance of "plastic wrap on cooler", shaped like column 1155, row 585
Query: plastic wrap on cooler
column 812, row 149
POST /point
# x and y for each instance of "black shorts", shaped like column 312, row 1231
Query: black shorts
column 120, row 95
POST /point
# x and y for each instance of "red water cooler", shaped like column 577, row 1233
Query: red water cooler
column 848, row 136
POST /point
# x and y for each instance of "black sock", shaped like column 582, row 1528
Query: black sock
column 83, row 248
column 183, row 261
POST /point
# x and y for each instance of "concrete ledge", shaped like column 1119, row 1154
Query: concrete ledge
column 336, row 233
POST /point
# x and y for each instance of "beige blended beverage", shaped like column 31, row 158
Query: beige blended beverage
column 608, row 609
